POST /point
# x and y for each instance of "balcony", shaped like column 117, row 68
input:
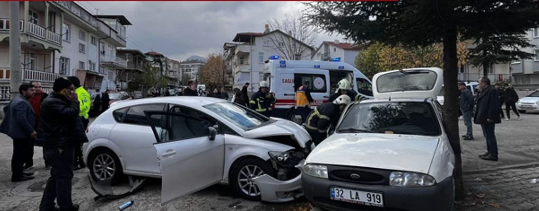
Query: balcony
column 114, row 62
column 33, row 30
column 245, row 68
column 30, row 75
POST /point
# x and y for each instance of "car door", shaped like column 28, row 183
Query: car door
column 190, row 153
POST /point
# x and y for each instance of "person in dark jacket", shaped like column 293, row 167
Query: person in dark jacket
column 59, row 131
column 97, row 103
column 19, row 125
column 511, row 97
column 466, row 106
column 191, row 90
column 36, row 101
column 245, row 94
column 488, row 115
column 262, row 101
column 239, row 99
column 323, row 116
column 105, row 101
column 500, row 97
column 224, row 94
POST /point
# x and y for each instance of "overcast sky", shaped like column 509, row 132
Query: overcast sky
column 183, row 29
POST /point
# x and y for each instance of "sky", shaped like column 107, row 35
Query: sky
column 182, row 29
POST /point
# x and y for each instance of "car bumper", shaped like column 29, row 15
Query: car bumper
column 273, row 190
column 439, row 197
column 528, row 107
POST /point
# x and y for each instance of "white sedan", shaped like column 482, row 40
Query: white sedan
column 194, row 142
column 529, row 103
column 391, row 152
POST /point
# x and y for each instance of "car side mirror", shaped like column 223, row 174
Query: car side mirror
column 213, row 133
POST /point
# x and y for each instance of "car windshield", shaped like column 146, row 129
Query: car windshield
column 413, row 118
column 237, row 115
column 416, row 80
column 114, row 96
column 535, row 94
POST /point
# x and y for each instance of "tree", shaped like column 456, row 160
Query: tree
column 153, row 77
column 298, row 31
column 213, row 72
column 368, row 60
column 423, row 23
column 499, row 48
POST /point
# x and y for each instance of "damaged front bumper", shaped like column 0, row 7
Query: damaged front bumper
column 274, row 190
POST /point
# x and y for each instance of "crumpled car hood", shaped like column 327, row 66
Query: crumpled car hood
column 281, row 127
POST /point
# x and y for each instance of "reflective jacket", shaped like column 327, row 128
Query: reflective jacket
column 262, row 103
column 84, row 101
column 322, row 117
column 303, row 97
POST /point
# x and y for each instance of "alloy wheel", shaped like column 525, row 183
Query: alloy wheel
column 104, row 166
column 245, row 179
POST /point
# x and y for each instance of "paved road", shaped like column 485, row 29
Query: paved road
column 487, row 186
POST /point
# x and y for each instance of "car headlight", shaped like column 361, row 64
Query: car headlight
column 319, row 171
column 287, row 159
column 408, row 179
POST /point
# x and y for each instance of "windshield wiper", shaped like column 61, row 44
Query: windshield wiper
column 354, row 130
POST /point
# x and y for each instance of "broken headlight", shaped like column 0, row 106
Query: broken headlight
column 287, row 159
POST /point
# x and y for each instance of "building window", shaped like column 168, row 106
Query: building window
column 33, row 17
column 261, row 57
column 536, row 32
column 82, row 35
column 261, row 76
column 536, row 57
column 82, row 48
column 64, row 65
column 81, row 65
column 66, row 32
column 334, row 49
column 91, row 65
column 31, row 61
column 93, row 40
column 267, row 43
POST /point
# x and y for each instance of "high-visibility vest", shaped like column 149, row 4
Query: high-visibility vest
column 301, row 98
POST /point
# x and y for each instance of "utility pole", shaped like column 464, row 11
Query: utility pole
column 15, row 49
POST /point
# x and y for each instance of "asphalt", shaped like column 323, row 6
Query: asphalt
column 517, row 142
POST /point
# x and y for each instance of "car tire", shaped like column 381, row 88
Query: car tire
column 112, row 166
column 253, row 165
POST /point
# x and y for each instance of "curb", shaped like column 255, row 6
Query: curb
column 508, row 167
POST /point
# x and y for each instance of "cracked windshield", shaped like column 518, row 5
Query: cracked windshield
column 269, row 105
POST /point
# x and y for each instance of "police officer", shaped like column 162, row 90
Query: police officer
column 304, row 100
column 262, row 100
column 323, row 116
column 344, row 88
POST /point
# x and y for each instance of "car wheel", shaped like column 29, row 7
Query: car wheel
column 521, row 111
column 105, row 165
column 243, row 173
column 292, row 116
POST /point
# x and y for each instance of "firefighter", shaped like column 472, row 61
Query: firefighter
column 304, row 100
column 262, row 101
column 323, row 116
column 344, row 88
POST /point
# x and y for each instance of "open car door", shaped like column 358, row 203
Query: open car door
column 190, row 153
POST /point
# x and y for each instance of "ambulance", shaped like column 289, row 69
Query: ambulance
column 286, row 76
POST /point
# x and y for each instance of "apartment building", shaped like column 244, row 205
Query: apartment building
column 346, row 52
column 175, row 70
column 190, row 68
column 158, row 60
column 60, row 38
column 526, row 72
column 247, row 52
column 131, row 77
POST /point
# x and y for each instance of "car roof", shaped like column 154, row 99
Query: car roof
column 181, row 100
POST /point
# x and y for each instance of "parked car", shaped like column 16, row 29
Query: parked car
column 391, row 152
column 530, row 103
column 192, row 143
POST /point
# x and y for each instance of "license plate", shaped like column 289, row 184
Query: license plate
column 526, row 106
column 357, row 197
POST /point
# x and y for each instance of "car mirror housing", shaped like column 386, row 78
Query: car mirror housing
column 213, row 133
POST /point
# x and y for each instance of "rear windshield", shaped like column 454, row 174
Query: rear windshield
column 409, row 80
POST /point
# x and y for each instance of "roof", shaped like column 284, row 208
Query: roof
column 131, row 51
column 246, row 36
column 193, row 62
column 181, row 100
column 345, row 46
column 123, row 20
column 153, row 53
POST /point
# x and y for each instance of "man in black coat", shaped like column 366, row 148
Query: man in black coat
column 191, row 89
column 105, row 101
column 245, row 94
column 488, row 115
column 59, row 131
column 511, row 97
column 97, row 103
column 466, row 106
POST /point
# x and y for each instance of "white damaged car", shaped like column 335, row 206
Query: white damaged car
column 391, row 152
column 195, row 142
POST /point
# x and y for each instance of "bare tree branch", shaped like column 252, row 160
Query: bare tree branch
column 301, row 37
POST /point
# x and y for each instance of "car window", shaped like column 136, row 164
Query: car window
column 317, row 82
column 119, row 114
column 178, row 127
column 243, row 118
column 135, row 114
column 535, row 94
column 414, row 118
column 417, row 80
column 364, row 86
column 191, row 112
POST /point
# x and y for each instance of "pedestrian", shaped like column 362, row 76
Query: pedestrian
column 511, row 97
column 304, row 100
column 105, row 101
column 36, row 101
column 262, row 101
column 191, row 89
column 97, row 103
column 215, row 93
column 19, row 125
column 466, row 107
column 84, row 102
column 59, row 131
column 323, row 116
column 488, row 115
column 501, row 98
column 239, row 99
column 245, row 94
column 224, row 94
